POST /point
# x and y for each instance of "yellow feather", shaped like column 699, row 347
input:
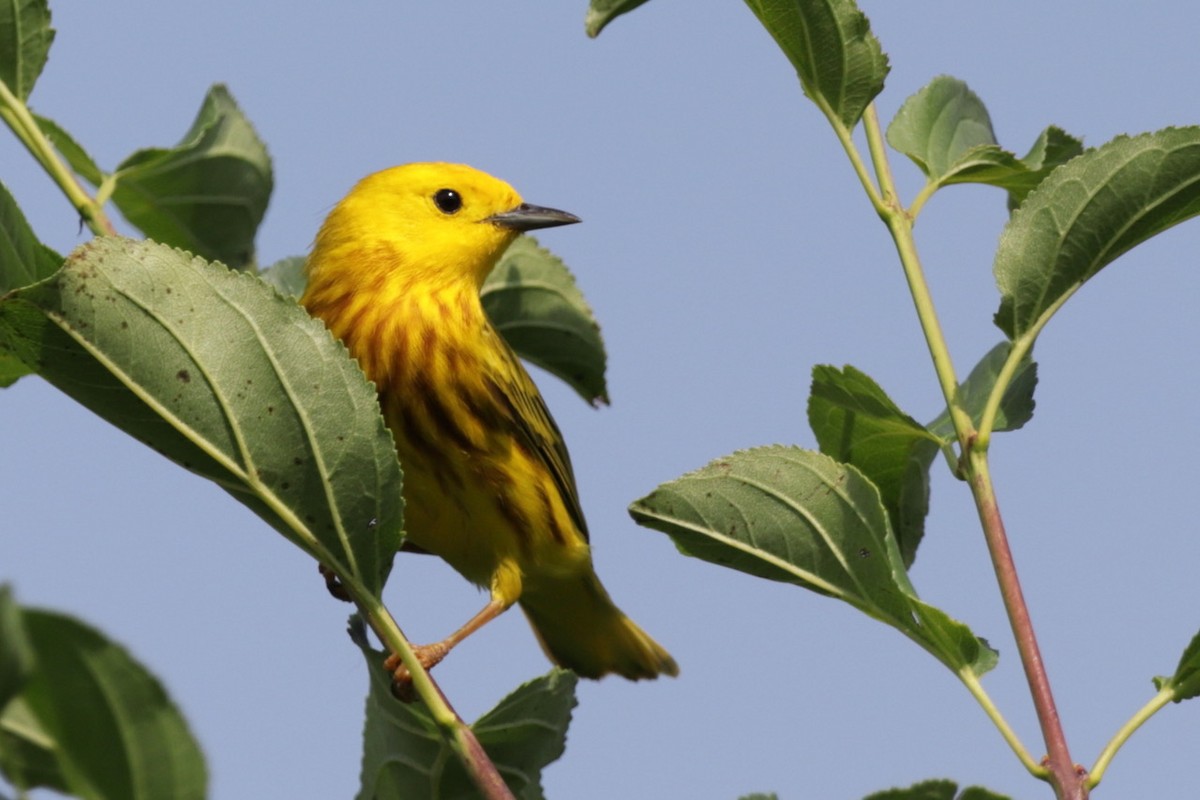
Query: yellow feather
column 395, row 273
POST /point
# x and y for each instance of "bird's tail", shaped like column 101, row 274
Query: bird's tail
column 581, row 629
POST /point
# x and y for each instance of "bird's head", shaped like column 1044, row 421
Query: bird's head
column 435, row 221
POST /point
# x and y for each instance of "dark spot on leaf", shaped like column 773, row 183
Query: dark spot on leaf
column 270, row 409
column 371, row 523
column 184, row 376
column 297, row 461
column 863, row 552
column 124, row 325
column 284, row 486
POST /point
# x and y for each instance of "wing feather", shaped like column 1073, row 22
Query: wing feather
column 511, row 385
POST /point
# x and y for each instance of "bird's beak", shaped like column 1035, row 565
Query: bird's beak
column 526, row 217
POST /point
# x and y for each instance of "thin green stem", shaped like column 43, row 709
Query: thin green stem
column 879, row 159
column 987, row 422
column 1021, row 347
column 846, row 137
column 19, row 119
column 914, row 209
column 1165, row 695
column 971, row 681
column 899, row 223
column 462, row 739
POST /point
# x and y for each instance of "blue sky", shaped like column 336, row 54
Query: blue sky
column 726, row 248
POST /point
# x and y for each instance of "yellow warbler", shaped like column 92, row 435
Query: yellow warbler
column 395, row 273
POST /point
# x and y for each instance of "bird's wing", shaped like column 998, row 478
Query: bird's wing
column 535, row 426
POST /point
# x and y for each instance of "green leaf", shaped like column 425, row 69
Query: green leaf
column 96, row 720
column 1087, row 213
column 979, row 793
column 1053, row 148
column 532, row 300
column 527, row 730
column 602, row 12
column 1185, row 683
column 23, row 259
column 207, row 194
column 11, row 368
column 1016, row 405
column 939, row 124
column 16, row 652
column 71, row 150
column 25, row 758
column 25, row 38
column 925, row 790
column 406, row 756
column 800, row 517
column 855, row 422
column 935, row 790
column 28, row 757
column 946, row 130
column 287, row 275
column 217, row 371
column 839, row 61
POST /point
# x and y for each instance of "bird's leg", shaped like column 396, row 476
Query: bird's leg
column 430, row 655
column 506, row 588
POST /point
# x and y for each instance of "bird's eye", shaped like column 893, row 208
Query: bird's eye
column 447, row 200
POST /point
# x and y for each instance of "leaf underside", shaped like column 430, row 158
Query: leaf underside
column 217, row 371
column 532, row 300
column 1086, row 214
column 800, row 517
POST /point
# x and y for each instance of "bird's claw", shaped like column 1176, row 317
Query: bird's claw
column 428, row 655
column 333, row 583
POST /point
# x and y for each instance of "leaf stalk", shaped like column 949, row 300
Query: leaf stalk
column 900, row 224
column 1164, row 696
column 971, row 681
column 846, row 137
column 20, row 121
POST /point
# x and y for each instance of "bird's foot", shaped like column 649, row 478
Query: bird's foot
column 333, row 584
column 428, row 655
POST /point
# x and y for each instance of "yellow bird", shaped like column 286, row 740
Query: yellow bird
column 396, row 273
